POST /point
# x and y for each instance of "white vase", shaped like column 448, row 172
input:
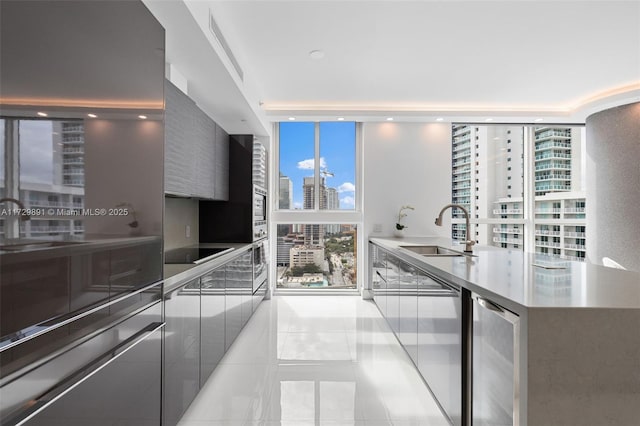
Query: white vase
column 398, row 232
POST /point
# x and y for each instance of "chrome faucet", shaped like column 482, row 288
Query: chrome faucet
column 468, row 242
column 23, row 215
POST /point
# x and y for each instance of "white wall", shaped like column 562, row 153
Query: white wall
column 405, row 163
column 178, row 214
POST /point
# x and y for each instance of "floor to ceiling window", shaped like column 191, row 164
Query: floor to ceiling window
column 523, row 187
column 317, row 212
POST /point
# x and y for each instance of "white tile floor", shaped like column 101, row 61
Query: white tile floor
column 315, row 360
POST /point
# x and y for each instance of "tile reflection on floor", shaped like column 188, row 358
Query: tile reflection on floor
column 315, row 360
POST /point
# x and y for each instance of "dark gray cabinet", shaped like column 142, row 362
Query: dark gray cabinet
column 212, row 321
column 203, row 318
column 179, row 156
column 204, row 141
column 239, row 306
column 221, row 165
column 181, row 350
column 112, row 378
column 196, row 150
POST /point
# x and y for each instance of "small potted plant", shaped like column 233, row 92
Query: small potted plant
column 399, row 229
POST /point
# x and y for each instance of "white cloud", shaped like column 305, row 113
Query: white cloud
column 346, row 187
column 347, row 202
column 297, row 205
column 309, row 164
column 306, row 164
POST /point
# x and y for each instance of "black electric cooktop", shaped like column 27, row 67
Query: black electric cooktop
column 192, row 255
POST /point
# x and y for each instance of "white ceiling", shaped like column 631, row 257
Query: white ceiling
column 510, row 60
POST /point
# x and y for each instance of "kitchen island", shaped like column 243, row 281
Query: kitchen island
column 571, row 343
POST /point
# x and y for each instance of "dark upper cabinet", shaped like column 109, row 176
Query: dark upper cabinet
column 196, row 150
column 179, row 160
column 232, row 221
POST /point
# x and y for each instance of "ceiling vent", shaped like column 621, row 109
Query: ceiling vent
column 215, row 30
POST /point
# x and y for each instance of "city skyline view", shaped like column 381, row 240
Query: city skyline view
column 337, row 158
column 488, row 167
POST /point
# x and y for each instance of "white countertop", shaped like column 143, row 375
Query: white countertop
column 510, row 278
column 176, row 274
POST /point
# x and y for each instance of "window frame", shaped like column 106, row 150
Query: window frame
column 316, row 216
column 528, row 220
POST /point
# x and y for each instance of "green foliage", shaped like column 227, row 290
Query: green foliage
column 338, row 247
column 309, row 268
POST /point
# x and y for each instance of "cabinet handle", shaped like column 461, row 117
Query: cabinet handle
column 79, row 316
column 490, row 305
column 84, row 373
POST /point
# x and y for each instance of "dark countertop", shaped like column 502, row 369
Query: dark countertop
column 512, row 279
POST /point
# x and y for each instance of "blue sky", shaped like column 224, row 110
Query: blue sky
column 337, row 156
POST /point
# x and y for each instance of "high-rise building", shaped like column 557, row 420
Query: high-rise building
column 313, row 234
column 487, row 179
column 68, row 153
column 259, row 164
column 557, row 159
column 308, row 193
column 286, row 193
column 333, row 203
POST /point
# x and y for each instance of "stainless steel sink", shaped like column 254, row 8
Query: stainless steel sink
column 432, row 251
column 36, row 245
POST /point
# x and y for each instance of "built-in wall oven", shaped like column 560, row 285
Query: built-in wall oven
column 259, row 213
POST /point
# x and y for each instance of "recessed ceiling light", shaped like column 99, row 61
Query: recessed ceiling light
column 489, row 119
column 142, row 117
column 42, row 114
column 316, row 54
column 389, row 118
column 340, row 118
column 439, row 119
column 92, row 115
column 292, row 118
column 538, row 119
